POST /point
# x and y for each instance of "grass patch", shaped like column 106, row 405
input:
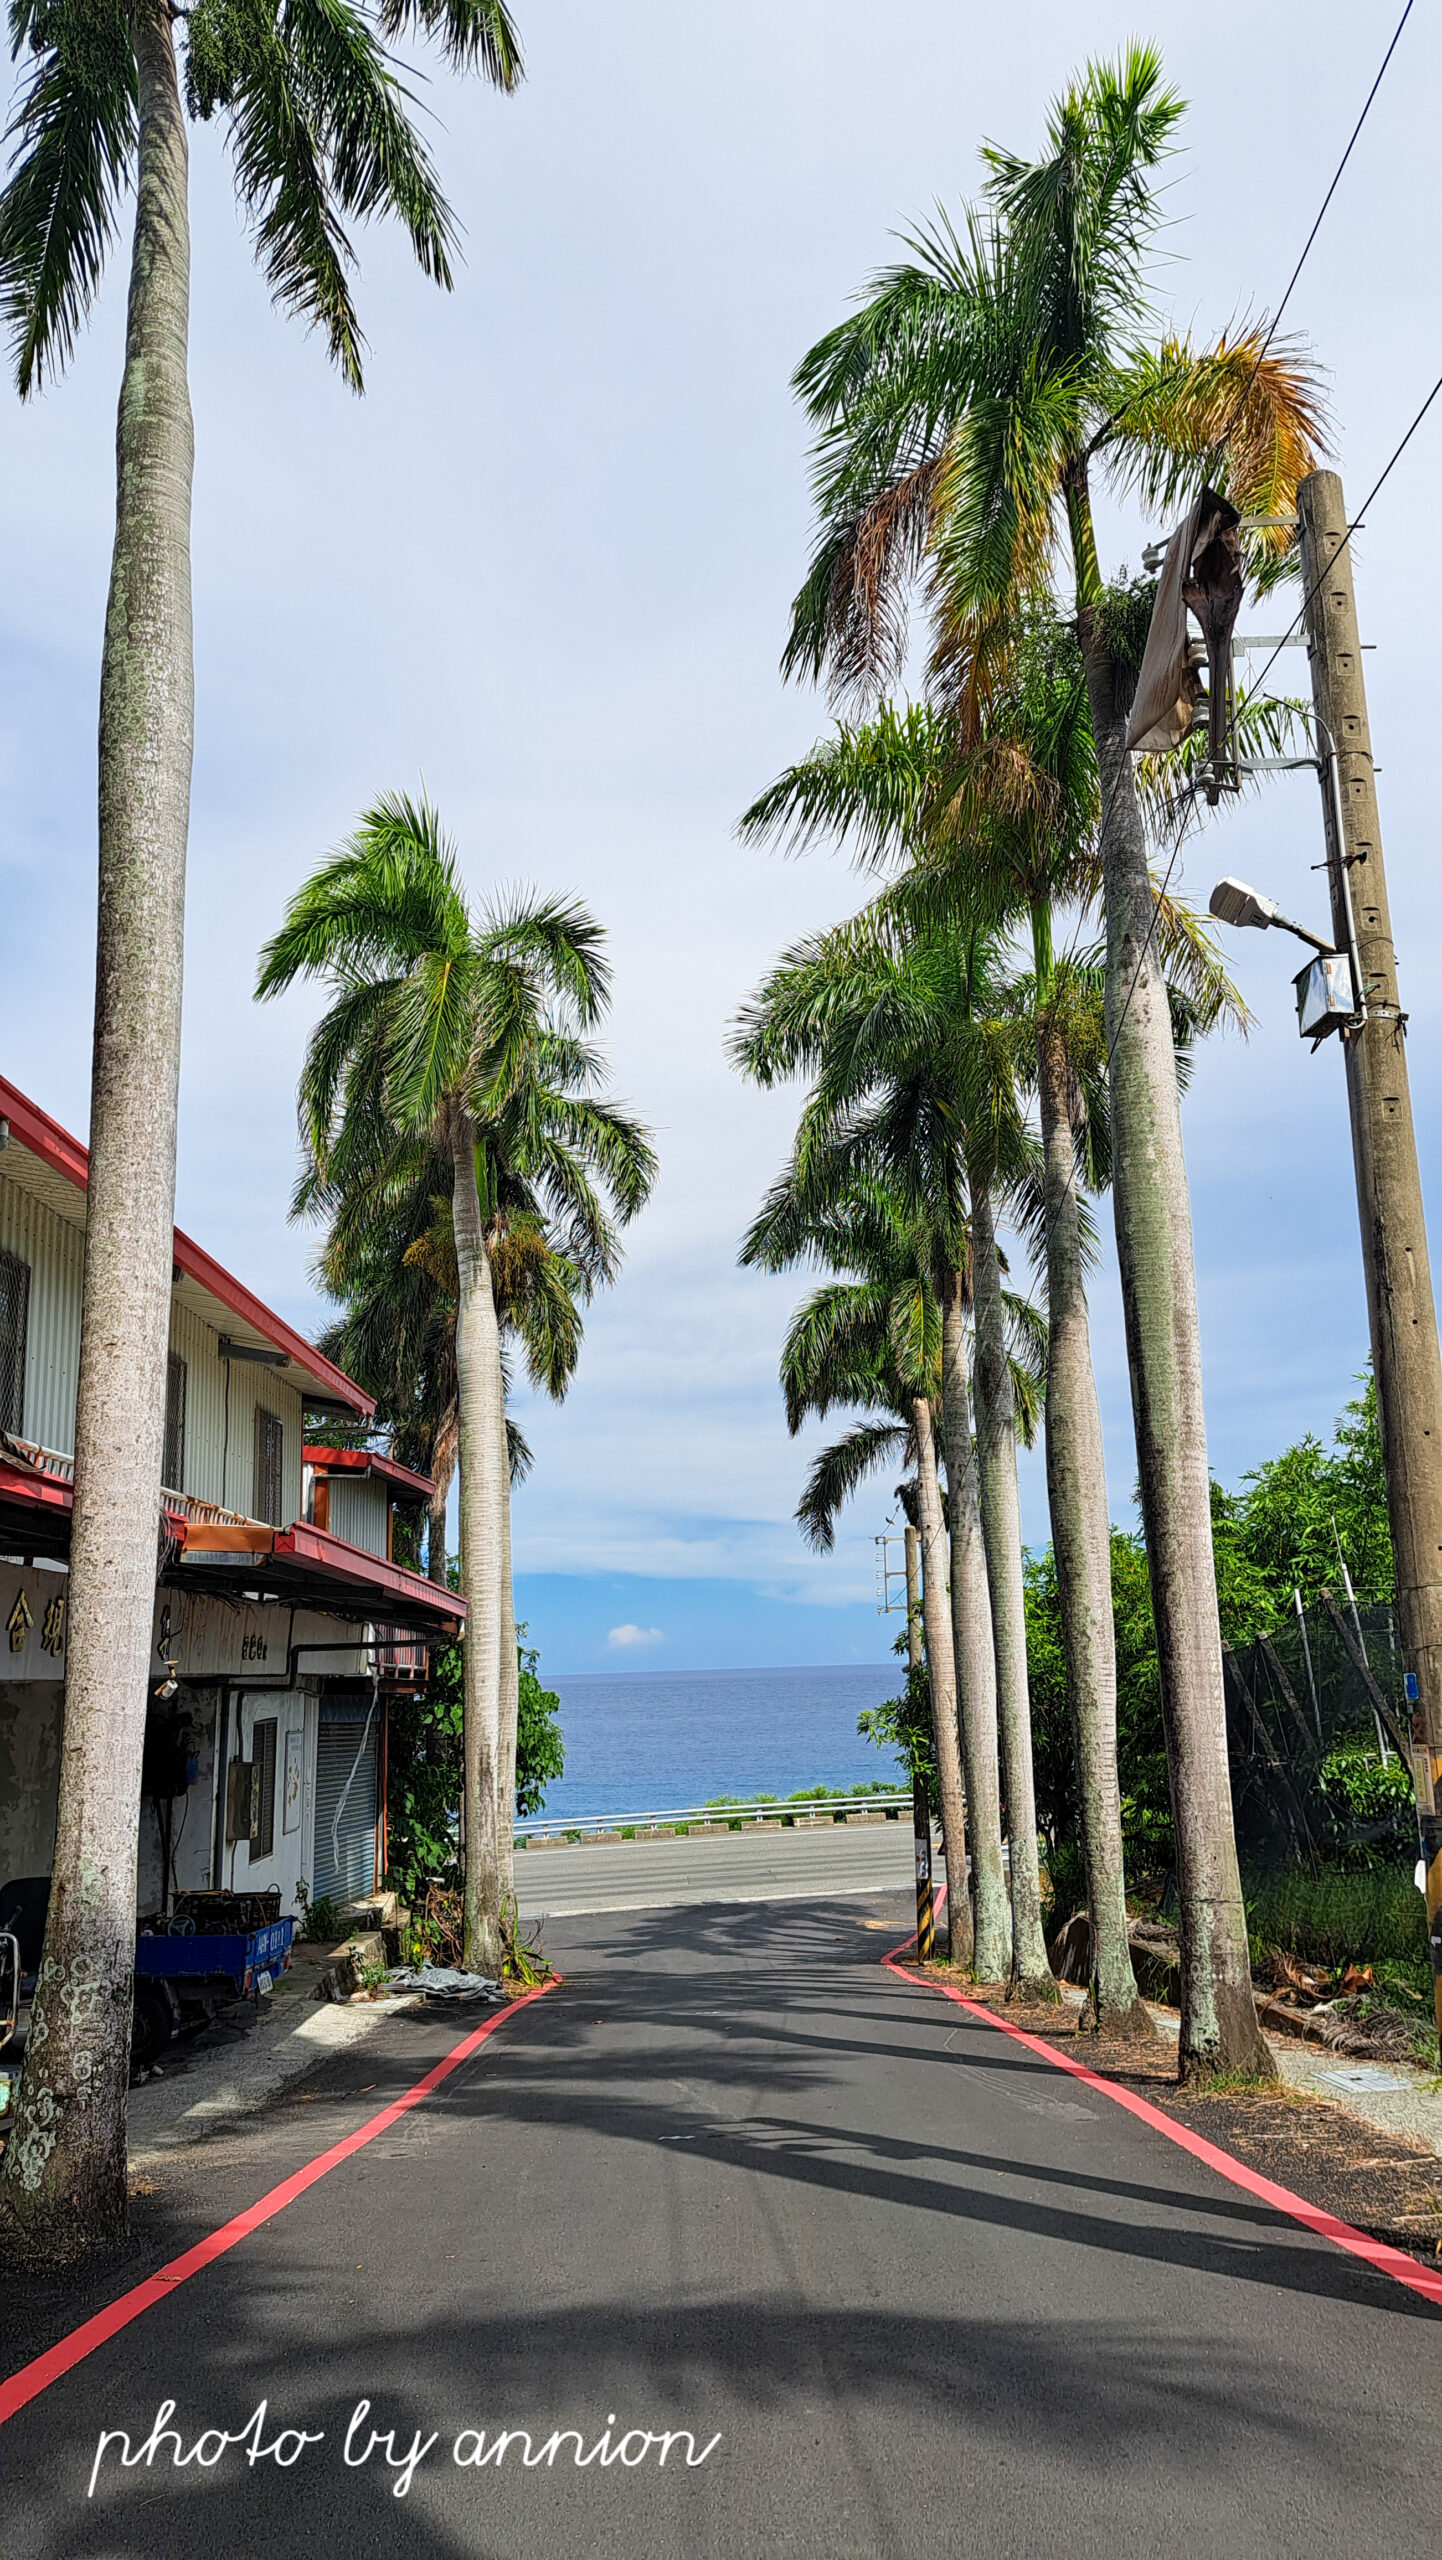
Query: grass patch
column 1334, row 1919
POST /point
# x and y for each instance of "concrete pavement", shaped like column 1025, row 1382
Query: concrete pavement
column 729, row 1866
column 733, row 2179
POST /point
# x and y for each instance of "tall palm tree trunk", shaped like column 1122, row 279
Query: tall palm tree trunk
column 442, row 1470
column 65, row 2164
column 1001, row 1531
column 436, row 1540
column 510, row 1694
column 1081, row 1545
column 1219, row 2030
column 941, row 1674
column 481, row 1400
column 975, row 1654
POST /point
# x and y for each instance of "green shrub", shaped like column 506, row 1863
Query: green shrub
column 319, row 1921
column 1337, row 1918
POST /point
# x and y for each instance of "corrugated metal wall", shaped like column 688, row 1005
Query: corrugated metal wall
column 218, row 1467
column 54, row 1252
column 220, row 1461
column 358, row 1508
column 347, row 1774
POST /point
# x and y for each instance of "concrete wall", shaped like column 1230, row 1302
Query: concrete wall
column 31, row 1722
column 192, row 1815
column 291, row 1858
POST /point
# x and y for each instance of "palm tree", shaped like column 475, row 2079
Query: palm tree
column 1008, row 810
column 910, row 1084
column 962, row 412
column 319, row 123
column 463, row 1035
column 397, row 1334
column 871, row 1336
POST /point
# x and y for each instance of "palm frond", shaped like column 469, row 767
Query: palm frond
column 838, row 1472
column 73, row 133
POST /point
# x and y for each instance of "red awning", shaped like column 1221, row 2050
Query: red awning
column 317, row 1571
column 408, row 1486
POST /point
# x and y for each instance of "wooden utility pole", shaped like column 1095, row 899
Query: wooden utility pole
column 1406, row 1360
column 920, row 1797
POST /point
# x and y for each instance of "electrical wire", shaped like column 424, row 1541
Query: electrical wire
column 1230, row 429
column 1359, row 518
column 1189, row 800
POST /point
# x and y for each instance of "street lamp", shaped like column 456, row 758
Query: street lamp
column 1326, row 988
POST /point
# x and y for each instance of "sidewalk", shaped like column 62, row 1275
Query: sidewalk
column 251, row 2051
column 1392, row 2097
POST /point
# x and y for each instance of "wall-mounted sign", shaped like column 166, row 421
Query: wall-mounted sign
column 193, row 1638
column 294, row 1780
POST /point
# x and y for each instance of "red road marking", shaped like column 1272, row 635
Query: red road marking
column 1388, row 2261
column 37, row 2376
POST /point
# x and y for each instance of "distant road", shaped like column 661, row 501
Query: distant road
column 736, row 1866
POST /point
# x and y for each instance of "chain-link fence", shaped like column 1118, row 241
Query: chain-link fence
column 1320, row 1773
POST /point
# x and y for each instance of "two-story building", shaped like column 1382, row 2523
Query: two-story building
column 283, row 1624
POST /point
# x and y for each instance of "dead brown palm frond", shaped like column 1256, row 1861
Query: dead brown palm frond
column 971, row 664
column 998, row 782
column 1250, row 414
column 874, row 569
column 519, row 1251
column 435, row 1251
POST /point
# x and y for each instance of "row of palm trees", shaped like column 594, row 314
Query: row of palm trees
column 319, row 117
column 963, row 415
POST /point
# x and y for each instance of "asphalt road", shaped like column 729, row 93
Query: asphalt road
column 930, row 2294
column 730, row 1866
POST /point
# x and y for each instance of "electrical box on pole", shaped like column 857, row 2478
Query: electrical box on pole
column 1406, row 1357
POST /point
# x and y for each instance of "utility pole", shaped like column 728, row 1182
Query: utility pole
column 1406, row 1359
column 920, row 1798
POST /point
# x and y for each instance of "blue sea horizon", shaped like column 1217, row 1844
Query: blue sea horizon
column 655, row 1741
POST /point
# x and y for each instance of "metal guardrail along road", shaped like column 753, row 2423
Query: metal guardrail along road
column 554, row 1830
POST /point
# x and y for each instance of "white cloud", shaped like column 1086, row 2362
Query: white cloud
column 627, row 1638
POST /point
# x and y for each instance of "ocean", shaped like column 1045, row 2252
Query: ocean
column 651, row 1742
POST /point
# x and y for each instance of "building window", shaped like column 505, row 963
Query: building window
column 262, row 1755
column 269, row 1454
column 172, row 1472
column 14, row 1319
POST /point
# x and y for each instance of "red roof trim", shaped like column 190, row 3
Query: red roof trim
column 354, row 1564
column 27, row 1484
column 44, row 1492
column 65, row 1155
column 370, row 1462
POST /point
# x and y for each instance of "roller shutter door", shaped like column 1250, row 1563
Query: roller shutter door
column 346, row 1805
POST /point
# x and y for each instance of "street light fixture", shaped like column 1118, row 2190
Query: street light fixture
column 1326, row 988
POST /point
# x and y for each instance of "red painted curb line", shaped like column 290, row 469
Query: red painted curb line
column 37, row 2376
column 1377, row 2253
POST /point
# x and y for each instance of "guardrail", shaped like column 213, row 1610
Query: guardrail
column 709, row 1817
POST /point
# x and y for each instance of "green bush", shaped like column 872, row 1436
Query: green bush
column 903, row 1725
column 1337, row 1918
column 423, row 1787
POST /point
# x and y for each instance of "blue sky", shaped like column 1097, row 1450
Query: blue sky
column 545, row 566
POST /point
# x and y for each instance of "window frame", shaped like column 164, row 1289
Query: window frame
column 177, row 1389
column 268, row 1467
column 264, row 1751
column 14, row 1346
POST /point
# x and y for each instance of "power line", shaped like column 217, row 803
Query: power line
column 1225, row 438
column 1359, row 518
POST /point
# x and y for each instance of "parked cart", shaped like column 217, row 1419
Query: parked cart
column 212, row 1948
